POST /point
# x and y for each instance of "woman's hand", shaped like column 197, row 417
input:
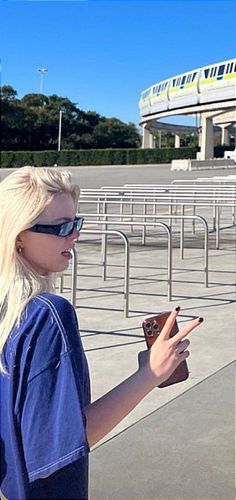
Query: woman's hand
column 155, row 366
column 167, row 353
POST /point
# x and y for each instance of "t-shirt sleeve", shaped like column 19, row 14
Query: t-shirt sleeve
column 52, row 420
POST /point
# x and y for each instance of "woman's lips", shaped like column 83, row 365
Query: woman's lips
column 67, row 254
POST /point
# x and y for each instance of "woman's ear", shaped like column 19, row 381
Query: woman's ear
column 19, row 243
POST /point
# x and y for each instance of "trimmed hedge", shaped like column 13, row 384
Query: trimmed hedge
column 76, row 157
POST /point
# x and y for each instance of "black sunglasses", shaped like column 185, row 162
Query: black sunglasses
column 64, row 229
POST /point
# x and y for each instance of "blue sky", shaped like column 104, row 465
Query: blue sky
column 101, row 55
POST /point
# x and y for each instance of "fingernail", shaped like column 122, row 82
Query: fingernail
column 177, row 308
column 200, row 320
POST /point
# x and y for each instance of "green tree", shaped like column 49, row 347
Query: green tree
column 11, row 116
column 7, row 93
column 113, row 133
column 32, row 123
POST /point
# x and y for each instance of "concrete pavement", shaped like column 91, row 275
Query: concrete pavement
column 184, row 450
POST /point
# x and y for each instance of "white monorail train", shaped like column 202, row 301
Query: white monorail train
column 213, row 83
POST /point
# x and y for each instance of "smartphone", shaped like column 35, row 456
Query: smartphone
column 152, row 327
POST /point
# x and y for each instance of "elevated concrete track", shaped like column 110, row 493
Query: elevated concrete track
column 208, row 93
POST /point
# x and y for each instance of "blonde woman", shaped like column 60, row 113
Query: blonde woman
column 48, row 423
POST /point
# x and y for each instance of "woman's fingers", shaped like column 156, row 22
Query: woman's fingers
column 188, row 328
column 183, row 355
column 165, row 333
column 182, row 346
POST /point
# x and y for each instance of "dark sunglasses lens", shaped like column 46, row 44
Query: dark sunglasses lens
column 79, row 224
column 66, row 229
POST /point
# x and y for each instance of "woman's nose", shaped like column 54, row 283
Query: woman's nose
column 73, row 236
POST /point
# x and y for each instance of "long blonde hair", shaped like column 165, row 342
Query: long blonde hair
column 24, row 195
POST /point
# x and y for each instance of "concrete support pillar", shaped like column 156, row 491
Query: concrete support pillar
column 148, row 139
column 177, row 141
column 207, row 145
column 152, row 141
column 199, row 137
column 144, row 137
column 225, row 135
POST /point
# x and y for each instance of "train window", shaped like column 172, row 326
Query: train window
column 194, row 76
column 213, row 71
column 206, row 72
column 221, row 69
column 183, row 80
column 229, row 68
column 146, row 94
column 156, row 89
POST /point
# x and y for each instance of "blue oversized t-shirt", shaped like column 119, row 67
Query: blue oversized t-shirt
column 43, row 397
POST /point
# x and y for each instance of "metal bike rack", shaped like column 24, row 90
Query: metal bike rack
column 144, row 226
column 156, row 224
column 126, row 266
column 215, row 191
column 217, row 205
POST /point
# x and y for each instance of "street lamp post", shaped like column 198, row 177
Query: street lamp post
column 42, row 71
column 59, row 130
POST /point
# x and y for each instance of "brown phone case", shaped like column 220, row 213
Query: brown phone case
column 152, row 327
